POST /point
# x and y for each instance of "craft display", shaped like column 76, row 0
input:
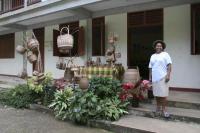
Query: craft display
column 65, row 41
column 20, row 49
column 32, row 58
column 61, row 64
column 33, row 44
column 132, row 75
column 111, row 55
column 33, row 55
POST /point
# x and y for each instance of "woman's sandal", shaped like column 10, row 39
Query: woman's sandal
column 166, row 114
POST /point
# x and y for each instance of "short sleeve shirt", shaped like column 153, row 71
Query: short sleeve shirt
column 158, row 63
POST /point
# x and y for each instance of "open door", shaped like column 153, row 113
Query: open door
column 143, row 29
column 39, row 33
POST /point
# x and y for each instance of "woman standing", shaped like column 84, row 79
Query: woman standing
column 159, row 75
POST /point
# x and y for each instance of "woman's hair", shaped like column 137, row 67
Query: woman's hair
column 161, row 42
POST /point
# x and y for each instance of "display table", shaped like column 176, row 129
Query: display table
column 102, row 71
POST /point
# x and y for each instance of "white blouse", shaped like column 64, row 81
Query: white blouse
column 158, row 63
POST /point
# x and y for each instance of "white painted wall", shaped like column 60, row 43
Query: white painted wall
column 118, row 25
column 177, row 35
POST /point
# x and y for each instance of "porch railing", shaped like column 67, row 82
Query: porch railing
column 10, row 5
column 30, row 2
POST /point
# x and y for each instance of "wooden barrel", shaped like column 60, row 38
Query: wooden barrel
column 131, row 75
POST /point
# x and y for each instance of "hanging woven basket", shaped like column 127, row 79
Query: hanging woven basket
column 20, row 49
column 33, row 44
column 65, row 41
column 31, row 57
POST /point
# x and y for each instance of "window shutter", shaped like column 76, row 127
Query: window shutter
column 98, row 36
column 136, row 19
column 81, row 42
column 145, row 18
column 154, row 17
column 7, row 46
column 56, row 33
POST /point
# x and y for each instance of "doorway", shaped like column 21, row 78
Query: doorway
column 141, row 36
column 39, row 33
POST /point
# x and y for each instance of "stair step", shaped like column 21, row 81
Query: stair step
column 180, row 99
column 139, row 124
column 176, row 114
column 177, row 104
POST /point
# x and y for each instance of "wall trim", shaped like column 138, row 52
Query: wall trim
column 185, row 89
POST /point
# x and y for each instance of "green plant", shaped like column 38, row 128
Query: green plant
column 112, row 109
column 62, row 102
column 105, row 87
column 48, row 95
column 18, row 97
column 39, row 87
column 84, row 106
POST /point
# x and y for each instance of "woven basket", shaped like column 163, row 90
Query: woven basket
column 20, row 49
column 33, row 44
column 31, row 57
column 65, row 42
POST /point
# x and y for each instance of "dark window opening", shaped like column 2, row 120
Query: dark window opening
column 195, row 36
column 98, row 36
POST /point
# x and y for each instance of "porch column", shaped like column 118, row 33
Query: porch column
column 25, row 54
column 25, row 3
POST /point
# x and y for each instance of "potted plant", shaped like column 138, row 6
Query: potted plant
column 134, row 92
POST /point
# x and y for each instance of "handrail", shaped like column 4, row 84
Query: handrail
column 11, row 5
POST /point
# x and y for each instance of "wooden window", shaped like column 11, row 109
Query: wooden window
column 195, row 26
column 7, row 46
column 145, row 18
column 98, row 36
column 79, row 40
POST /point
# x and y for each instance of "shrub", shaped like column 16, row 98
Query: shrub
column 19, row 97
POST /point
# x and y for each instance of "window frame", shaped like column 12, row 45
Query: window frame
column 194, row 8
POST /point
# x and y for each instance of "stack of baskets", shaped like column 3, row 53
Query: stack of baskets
column 33, row 56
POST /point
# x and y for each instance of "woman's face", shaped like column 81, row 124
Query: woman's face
column 158, row 48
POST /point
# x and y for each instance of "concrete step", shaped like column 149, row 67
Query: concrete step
column 180, row 99
column 138, row 124
column 176, row 114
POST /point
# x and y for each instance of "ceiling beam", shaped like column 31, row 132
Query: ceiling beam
column 81, row 12
column 142, row 7
column 16, row 26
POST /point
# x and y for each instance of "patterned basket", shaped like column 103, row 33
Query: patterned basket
column 65, row 42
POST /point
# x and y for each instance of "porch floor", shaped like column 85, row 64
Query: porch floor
column 188, row 97
column 10, row 81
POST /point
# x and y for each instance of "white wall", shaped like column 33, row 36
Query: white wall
column 177, row 35
column 118, row 25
